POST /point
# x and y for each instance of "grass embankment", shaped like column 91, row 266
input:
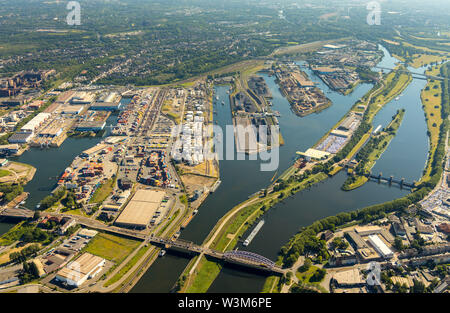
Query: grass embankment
column 272, row 285
column 368, row 156
column 234, row 228
column 395, row 84
column 420, row 60
column 127, row 266
column 4, row 173
column 13, row 235
column 203, row 276
column 432, row 106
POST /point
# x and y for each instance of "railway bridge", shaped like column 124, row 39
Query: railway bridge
column 243, row 258
column 415, row 75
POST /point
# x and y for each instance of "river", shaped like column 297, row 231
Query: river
column 242, row 178
column 405, row 157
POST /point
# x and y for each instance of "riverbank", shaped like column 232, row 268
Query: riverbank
column 395, row 84
column 371, row 152
column 291, row 252
column 228, row 230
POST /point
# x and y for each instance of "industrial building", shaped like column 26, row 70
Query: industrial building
column 91, row 126
column 313, row 154
column 82, row 97
column 9, row 149
column 349, row 123
column 348, row 278
column 20, row 138
column 87, row 233
column 69, row 109
column 35, row 123
column 356, row 240
column 140, row 210
column 80, row 270
column 105, row 106
column 94, row 150
column 380, row 246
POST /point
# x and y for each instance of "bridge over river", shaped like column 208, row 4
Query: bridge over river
column 243, row 258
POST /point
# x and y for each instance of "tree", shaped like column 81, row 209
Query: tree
column 419, row 287
column 398, row 244
column 306, row 265
column 318, row 275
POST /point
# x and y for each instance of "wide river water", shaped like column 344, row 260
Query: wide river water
column 405, row 157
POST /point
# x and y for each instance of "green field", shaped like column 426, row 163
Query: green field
column 103, row 191
column 4, row 173
column 206, row 272
column 110, row 247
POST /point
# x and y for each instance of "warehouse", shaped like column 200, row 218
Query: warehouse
column 105, row 106
column 340, row 133
column 141, row 209
column 69, row 109
column 367, row 230
column 20, row 138
column 380, row 246
column 82, row 269
column 313, row 154
column 37, row 121
column 356, row 240
column 348, row 123
column 82, row 97
column 91, row 126
column 9, row 149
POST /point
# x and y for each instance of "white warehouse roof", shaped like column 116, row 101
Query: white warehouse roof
column 380, row 246
column 35, row 122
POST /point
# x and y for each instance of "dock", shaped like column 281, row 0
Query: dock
column 215, row 186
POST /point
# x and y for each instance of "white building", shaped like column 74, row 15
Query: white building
column 37, row 121
column 77, row 272
column 380, row 247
